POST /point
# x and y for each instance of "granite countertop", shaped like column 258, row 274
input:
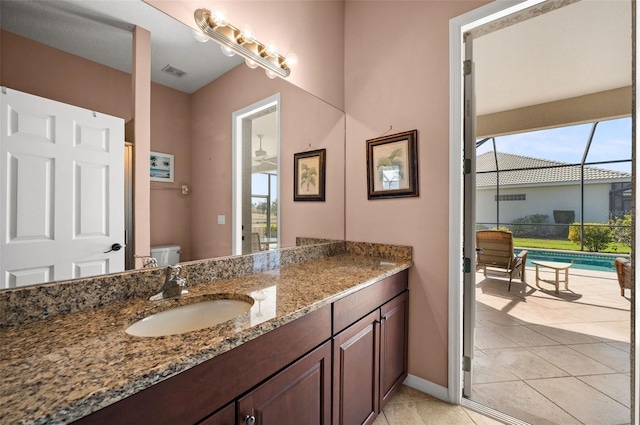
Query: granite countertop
column 63, row 368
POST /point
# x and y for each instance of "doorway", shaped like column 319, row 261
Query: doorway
column 474, row 20
column 256, row 163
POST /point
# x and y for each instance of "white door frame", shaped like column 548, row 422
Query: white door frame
column 457, row 27
column 236, row 168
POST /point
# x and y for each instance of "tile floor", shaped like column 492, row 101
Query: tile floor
column 540, row 357
column 411, row 407
column 549, row 358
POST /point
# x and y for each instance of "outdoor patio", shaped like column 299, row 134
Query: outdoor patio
column 549, row 358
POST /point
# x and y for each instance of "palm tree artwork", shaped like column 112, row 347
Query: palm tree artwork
column 391, row 169
column 308, row 176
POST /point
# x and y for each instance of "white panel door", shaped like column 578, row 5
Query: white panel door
column 61, row 191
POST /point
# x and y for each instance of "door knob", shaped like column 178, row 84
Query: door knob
column 115, row 247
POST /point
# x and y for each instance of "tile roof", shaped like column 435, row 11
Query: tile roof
column 561, row 173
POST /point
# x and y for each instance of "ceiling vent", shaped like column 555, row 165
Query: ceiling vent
column 173, row 71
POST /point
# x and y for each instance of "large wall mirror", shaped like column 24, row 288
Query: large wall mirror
column 80, row 53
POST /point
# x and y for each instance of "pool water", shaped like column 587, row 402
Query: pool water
column 586, row 261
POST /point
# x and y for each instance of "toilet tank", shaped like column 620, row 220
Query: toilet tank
column 166, row 255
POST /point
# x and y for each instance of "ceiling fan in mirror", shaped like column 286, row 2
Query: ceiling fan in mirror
column 264, row 161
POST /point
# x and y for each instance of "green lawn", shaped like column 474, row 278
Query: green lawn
column 616, row 248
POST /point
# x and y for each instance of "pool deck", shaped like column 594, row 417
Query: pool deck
column 549, row 358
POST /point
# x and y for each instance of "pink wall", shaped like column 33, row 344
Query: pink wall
column 314, row 30
column 141, row 75
column 38, row 69
column 171, row 133
column 407, row 88
column 304, row 120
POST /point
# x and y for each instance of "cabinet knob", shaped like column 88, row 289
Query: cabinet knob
column 249, row 420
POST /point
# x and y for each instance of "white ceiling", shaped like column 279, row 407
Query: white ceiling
column 100, row 31
column 578, row 49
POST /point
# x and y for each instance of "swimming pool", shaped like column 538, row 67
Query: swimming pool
column 580, row 260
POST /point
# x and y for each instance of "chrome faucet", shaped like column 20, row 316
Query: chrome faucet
column 173, row 284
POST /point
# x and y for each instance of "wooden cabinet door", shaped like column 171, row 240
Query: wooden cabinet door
column 225, row 416
column 300, row 394
column 393, row 346
column 356, row 372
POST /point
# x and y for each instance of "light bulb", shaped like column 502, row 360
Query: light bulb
column 227, row 51
column 271, row 50
column 248, row 35
column 251, row 63
column 291, row 60
column 219, row 18
column 200, row 36
column 271, row 74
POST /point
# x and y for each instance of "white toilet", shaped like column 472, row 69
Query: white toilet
column 166, row 255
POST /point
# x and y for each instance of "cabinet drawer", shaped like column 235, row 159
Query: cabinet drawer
column 357, row 305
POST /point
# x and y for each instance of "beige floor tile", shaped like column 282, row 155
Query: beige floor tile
column 623, row 346
column 616, row 386
column 496, row 318
column 563, row 336
column 426, row 412
column 405, row 394
column 571, row 361
column 596, row 314
column 606, row 354
column 524, row 364
column 582, row 401
column 524, row 336
column 488, row 338
column 598, row 332
column 381, row 420
column 521, row 401
column 480, row 419
column 486, row 369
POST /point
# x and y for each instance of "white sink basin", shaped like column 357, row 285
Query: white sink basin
column 189, row 317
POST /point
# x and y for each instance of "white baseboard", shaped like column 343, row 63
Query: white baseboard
column 427, row 387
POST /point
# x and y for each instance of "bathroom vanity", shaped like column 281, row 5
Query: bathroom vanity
column 325, row 342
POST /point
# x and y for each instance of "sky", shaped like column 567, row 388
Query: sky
column 611, row 141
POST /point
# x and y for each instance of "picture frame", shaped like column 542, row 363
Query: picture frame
column 161, row 167
column 392, row 166
column 309, row 175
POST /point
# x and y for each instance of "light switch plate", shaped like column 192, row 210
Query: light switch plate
column 221, row 219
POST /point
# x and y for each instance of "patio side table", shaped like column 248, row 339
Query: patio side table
column 555, row 266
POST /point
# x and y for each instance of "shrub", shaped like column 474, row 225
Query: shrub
column 597, row 236
column 563, row 217
column 621, row 230
column 502, row 228
column 531, row 225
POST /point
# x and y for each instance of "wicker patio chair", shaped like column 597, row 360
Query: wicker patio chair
column 256, row 244
column 623, row 269
column 495, row 250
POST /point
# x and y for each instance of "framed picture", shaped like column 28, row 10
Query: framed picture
column 392, row 166
column 161, row 167
column 309, row 175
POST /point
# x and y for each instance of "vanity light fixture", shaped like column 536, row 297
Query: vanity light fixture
column 243, row 42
